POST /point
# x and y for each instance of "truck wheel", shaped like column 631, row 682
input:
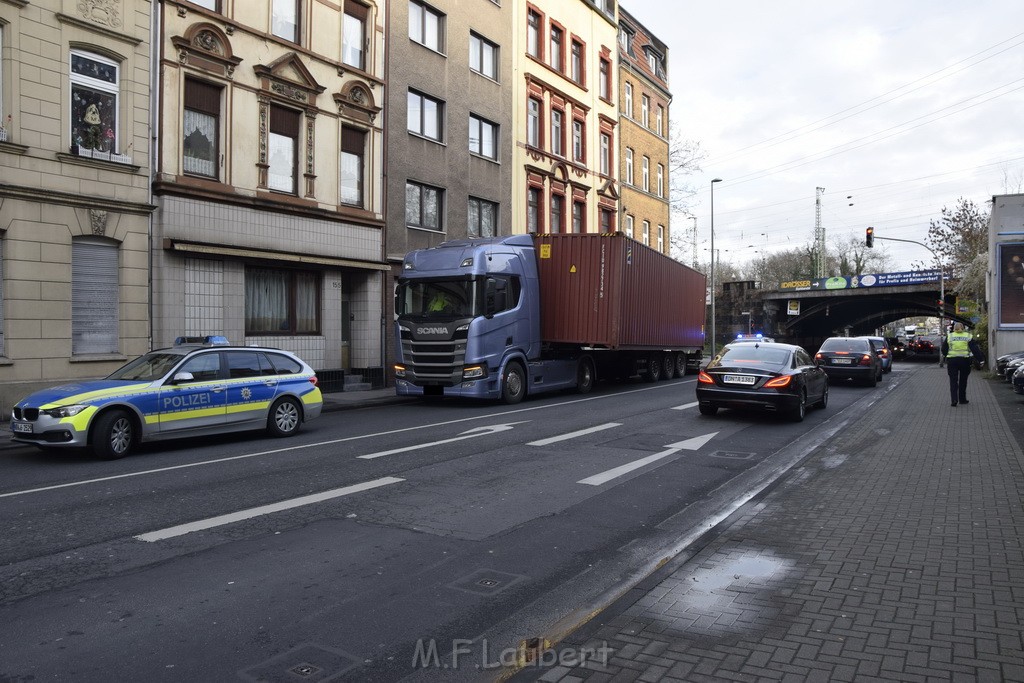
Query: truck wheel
column 513, row 384
column 114, row 435
column 653, row 371
column 680, row 369
column 668, row 365
column 584, row 376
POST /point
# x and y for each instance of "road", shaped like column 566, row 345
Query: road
column 378, row 544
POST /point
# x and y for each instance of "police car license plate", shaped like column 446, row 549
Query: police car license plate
column 842, row 361
column 739, row 379
column 21, row 427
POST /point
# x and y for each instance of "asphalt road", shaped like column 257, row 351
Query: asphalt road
column 383, row 543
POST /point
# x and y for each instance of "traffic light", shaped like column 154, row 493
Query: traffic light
column 870, row 241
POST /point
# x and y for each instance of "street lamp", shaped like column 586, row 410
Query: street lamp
column 716, row 180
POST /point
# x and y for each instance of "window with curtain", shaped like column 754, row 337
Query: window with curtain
column 284, row 19
column 95, row 318
column 283, row 149
column 353, row 146
column 201, row 127
column 353, row 35
column 483, row 218
column 95, row 87
column 279, row 301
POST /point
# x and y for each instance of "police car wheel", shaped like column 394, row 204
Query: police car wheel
column 113, row 435
column 285, row 417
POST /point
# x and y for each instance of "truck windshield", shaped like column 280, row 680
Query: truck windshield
column 437, row 299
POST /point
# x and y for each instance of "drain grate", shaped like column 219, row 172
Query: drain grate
column 307, row 662
column 486, row 582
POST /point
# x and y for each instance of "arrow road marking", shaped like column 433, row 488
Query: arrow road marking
column 573, row 435
column 471, row 434
column 689, row 445
column 685, row 406
column 182, row 529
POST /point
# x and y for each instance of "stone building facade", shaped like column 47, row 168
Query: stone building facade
column 75, row 201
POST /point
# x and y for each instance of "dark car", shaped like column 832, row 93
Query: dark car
column 1003, row 360
column 764, row 376
column 850, row 358
column 925, row 348
column 898, row 348
column 1017, row 380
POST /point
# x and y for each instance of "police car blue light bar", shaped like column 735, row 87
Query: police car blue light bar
column 208, row 340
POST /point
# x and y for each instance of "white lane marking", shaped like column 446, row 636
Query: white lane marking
column 690, row 445
column 221, row 520
column 471, row 434
column 573, row 435
column 217, row 461
column 685, row 406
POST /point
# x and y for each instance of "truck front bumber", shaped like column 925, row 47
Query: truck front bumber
column 486, row 388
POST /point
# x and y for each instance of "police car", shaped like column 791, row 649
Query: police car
column 198, row 387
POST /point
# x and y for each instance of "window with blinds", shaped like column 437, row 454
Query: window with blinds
column 94, row 297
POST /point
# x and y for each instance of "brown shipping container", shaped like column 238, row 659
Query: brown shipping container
column 608, row 290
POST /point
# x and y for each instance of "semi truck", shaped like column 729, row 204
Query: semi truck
column 501, row 318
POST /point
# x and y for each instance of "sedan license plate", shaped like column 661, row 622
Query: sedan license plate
column 739, row 379
column 21, row 427
column 843, row 361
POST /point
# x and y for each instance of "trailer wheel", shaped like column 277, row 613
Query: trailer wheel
column 584, row 375
column 668, row 365
column 513, row 384
column 653, row 371
column 680, row 370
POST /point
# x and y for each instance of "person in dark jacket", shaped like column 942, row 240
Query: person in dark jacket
column 958, row 347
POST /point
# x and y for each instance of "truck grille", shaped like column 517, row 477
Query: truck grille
column 434, row 362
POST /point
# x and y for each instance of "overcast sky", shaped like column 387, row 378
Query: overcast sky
column 904, row 105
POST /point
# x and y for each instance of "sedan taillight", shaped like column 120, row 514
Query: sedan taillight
column 778, row 382
column 704, row 378
column 865, row 359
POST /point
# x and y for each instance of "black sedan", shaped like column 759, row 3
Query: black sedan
column 850, row 358
column 762, row 376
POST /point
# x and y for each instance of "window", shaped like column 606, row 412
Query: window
column 533, row 122
column 629, row 225
column 208, row 4
column 283, row 149
column 659, row 120
column 281, row 301
column 483, row 137
column 555, row 51
column 95, row 84
column 426, row 26
column 654, row 62
column 661, row 180
column 425, row 116
column 483, row 56
column 555, row 223
column 645, row 111
column 629, row 165
column 423, row 206
column 353, row 169
column 624, row 38
column 353, row 35
column 482, row 218
column 606, row 154
column 532, row 209
column 533, row 34
column 579, row 148
column 605, row 82
column 645, row 170
column 646, row 233
column 628, row 105
column 607, row 221
column 576, row 71
column 661, row 238
column 557, row 134
column 579, row 223
column 284, row 20
column 201, row 127
column 94, row 296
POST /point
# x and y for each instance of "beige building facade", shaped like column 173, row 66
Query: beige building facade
column 269, row 177
column 565, row 117
column 75, row 204
column 644, row 100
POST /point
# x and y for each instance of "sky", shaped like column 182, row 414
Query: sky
column 896, row 108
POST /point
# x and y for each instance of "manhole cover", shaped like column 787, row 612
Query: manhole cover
column 486, row 582
column 304, row 670
column 303, row 663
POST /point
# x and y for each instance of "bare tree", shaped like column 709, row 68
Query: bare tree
column 959, row 236
column 684, row 159
column 854, row 257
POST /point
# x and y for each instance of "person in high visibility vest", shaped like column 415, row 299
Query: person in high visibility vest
column 958, row 347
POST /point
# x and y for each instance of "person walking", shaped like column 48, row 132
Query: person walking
column 958, row 346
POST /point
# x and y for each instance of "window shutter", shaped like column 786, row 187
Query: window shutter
column 352, row 141
column 285, row 122
column 357, row 10
column 200, row 96
column 94, row 297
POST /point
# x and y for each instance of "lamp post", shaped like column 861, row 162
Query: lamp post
column 716, row 180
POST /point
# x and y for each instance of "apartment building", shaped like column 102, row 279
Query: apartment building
column 566, row 119
column 269, row 177
column 74, row 190
column 644, row 100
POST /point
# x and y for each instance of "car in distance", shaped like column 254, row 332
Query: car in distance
column 924, row 348
column 881, row 347
column 898, row 348
column 764, row 376
column 850, row 358
column 198, row 387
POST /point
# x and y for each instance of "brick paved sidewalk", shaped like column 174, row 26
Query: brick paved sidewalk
column 892, row 553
